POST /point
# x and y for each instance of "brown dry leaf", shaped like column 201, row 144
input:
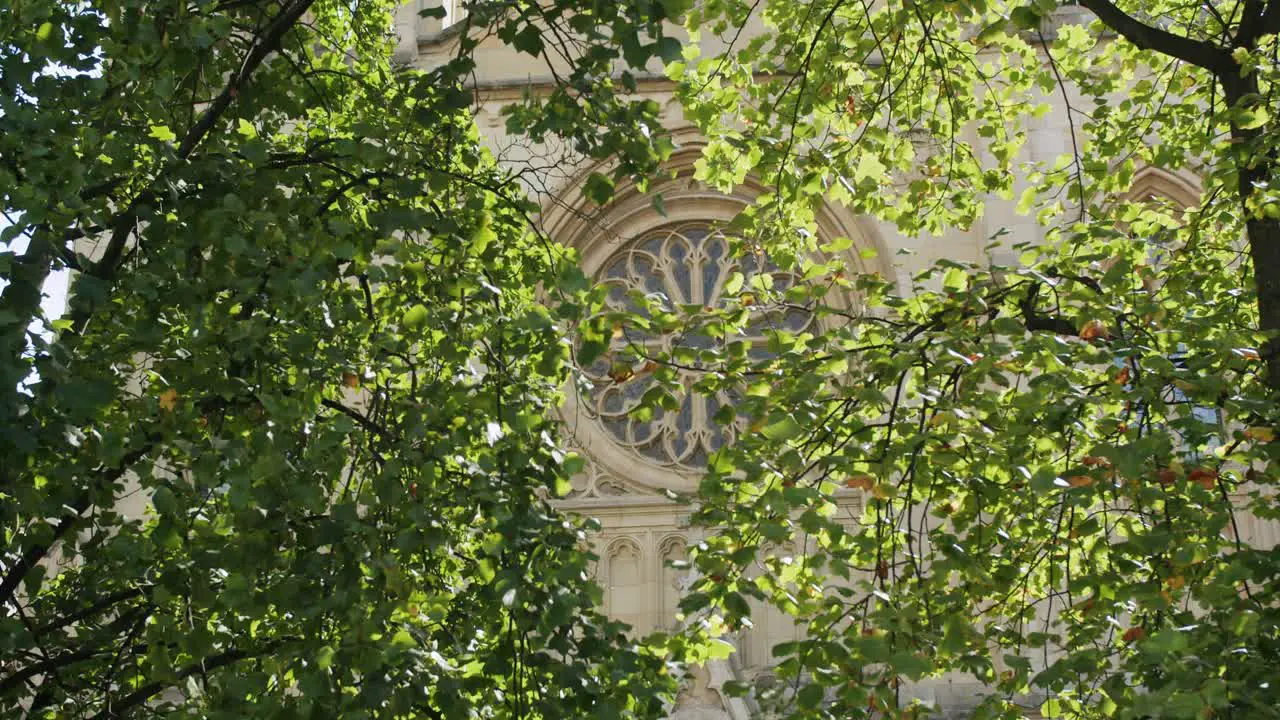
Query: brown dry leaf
column 1260, row 434
column 1205, row 477
column 860, row 482
column 1093, row 330
column 169, row 399
column 621, row 372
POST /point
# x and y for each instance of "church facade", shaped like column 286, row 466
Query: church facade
column 629, row 245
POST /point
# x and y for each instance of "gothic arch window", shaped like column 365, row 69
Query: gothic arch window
column 625, row 579
column 1167, row 193
column 671, row 550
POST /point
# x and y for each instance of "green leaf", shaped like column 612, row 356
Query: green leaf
column 482, row 237
column 668, row 48
column 415, row 317
column 402, row 640
column 783, row 429
column 837, row 245
column 737, row 605
column 164, row 501
column 869, row 167
column 673, row 9
column 529, row 40
column 598, row 188
column 590, row 350
column 562, row 487
column 733, row 285
column 1025, row 18
column 659, row 205
column 913, row 665
column 162, row 133
column 810, row 696
column 1166, row 642
column 1251, row 118
column 573, row 464
column 719, row 650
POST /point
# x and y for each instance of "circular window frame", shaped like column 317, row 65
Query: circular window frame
column 600, row 234
column 689, row 263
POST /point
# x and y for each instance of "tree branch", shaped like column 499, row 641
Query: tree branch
column 1039, row 321
column 265, row 44
column 36, row 553
column 146, row 692
column 48, row 665
column 1196, row 52
column 90, row 611
column 363, row 421
column 1250, row 28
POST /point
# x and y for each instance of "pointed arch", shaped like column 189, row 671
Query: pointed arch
column 574, row 220
column 1153, row 183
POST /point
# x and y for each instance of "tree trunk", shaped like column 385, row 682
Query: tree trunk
column 1264, row 248
column 1254, row 171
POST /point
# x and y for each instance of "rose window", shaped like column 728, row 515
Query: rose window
column 679, row 265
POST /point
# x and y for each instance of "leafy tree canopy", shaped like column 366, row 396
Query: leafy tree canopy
column 303, row 330
column 310, row 330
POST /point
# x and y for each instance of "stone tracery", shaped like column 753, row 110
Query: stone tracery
column 686, row 264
